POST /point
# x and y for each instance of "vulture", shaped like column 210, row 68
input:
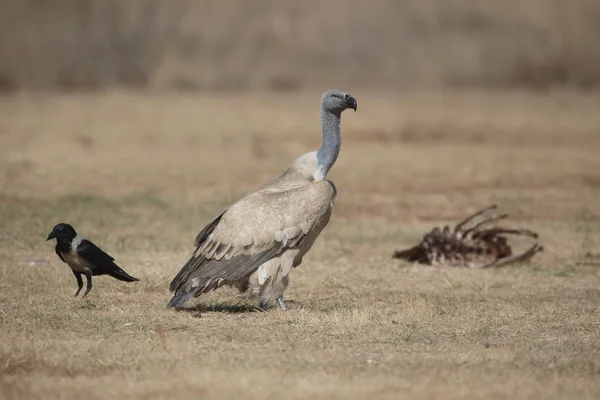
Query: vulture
column 254, row 243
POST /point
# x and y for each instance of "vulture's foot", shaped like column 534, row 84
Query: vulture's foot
column 281, row 304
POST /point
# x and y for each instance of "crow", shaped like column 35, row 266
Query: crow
column 84, row 257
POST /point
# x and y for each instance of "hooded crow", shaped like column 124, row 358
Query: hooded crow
column 84, row 257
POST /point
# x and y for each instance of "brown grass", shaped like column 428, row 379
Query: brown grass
column 140, row 175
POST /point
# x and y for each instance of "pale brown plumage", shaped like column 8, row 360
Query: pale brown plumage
column 254, row 244
column 237, row 242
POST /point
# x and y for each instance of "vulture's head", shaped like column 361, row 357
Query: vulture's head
column 336, row 100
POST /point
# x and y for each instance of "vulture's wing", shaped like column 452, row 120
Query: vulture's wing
column 251, row 232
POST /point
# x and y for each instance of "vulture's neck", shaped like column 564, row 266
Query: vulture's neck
column 332, row 141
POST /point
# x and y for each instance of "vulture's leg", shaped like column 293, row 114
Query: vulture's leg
column 263, row 305
column 79, row 282
column 524, row 256
column 281, row 303
column 88, row 275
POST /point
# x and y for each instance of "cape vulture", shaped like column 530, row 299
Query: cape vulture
column 254, row 244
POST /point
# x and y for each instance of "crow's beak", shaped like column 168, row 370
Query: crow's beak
column 50, row 236
column 351, row 103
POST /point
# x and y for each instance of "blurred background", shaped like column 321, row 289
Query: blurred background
column 270, row 45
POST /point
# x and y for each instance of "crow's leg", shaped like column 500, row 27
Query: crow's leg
column 79, row 282
column 88, row 275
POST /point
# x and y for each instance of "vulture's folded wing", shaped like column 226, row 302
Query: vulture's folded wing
column 252, row 231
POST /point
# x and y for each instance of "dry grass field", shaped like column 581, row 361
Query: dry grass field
column 140, row 175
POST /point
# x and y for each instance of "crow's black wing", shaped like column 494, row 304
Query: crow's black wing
column 94, row 255
column 102, row 262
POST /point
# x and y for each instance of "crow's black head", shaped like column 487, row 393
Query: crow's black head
column 62, row 231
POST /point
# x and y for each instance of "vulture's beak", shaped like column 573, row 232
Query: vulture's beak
column 351, row 103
